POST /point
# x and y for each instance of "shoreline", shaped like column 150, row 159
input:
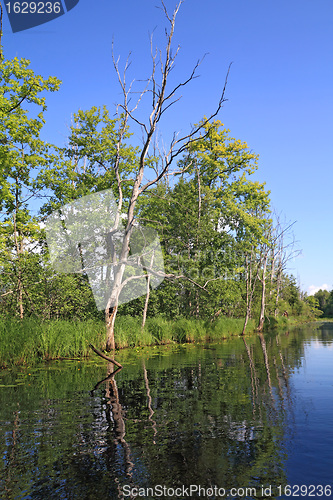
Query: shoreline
column 31, row 342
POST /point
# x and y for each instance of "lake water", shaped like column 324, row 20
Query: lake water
column 241, row 419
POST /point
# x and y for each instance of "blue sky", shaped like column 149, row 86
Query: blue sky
column 279, row 90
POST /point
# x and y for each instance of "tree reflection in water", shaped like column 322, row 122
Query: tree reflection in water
column 216, row 421
column 211, row 415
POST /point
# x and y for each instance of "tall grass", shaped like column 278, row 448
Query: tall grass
column 128, row 333
column 27, row 341
column 226, row 327
column 281, row 322
column 159, row 330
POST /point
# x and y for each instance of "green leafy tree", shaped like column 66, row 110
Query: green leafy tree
column 313, row 304
column 99, row 148
column 327, row 303
column 323, row 298
column 22, row 155
column 202, row 221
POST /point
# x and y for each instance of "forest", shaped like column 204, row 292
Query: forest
column 225, row 250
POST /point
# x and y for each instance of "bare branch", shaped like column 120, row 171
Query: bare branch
column 162, row 99
column 18, row 102
column 188, row 139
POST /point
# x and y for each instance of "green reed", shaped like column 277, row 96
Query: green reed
column 29, row 340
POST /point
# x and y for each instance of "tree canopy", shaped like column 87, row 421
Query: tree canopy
column 223, row 252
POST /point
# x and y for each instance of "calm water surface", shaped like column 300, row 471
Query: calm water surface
column 240, row 419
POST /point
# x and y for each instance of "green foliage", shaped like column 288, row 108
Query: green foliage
column 313, row 304
column 22, row 152
column 88, row 163
column 202, row 220
column 226, row 327
column 210, row 219
column 47, row 295
column 273, row 323
column 22, row 155
column 129, row 333
column 224, row 164
column 28, row 341
column 322, row 303
column 322, row 297
column 328, row 310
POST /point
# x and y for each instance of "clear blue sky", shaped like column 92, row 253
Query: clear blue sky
column 279, row 91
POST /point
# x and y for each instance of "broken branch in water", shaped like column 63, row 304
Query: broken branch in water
column 99, row 353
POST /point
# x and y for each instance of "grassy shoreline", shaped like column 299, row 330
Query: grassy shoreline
column 30, row 341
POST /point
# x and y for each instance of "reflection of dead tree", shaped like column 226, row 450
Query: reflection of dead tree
column 254, row 379
column 151, row 411
column 284, row 372
column 264, row 350
column 114, row 412
column 279, row 382
column 11, row 461
column 106, row 379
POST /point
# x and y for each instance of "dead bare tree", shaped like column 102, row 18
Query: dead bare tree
column 251, row 277
column 145, row 309
column 265, row 249
column 283, row 249
column 264, row 259
column 162, row 99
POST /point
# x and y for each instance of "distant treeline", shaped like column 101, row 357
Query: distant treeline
column 322, row 302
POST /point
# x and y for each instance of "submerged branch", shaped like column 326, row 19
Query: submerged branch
column 99, row 353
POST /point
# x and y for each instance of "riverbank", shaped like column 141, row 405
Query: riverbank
column 282, row 322
column 30, row 341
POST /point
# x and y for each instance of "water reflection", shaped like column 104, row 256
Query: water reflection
column 219, row 415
